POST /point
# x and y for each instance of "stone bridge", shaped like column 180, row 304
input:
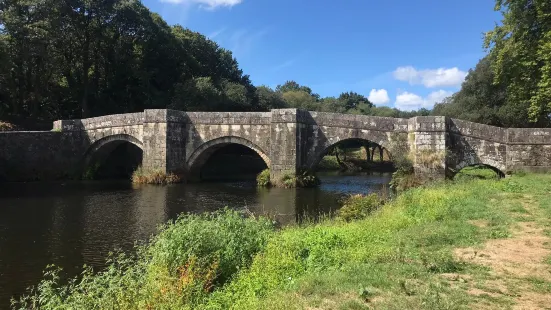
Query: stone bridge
column 286, row 139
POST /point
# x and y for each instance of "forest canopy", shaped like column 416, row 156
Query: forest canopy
column 84, row 58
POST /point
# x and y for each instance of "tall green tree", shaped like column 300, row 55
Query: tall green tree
column 520, row 49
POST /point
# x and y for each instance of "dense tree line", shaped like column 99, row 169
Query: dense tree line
column 83, row 58
column 511, row 86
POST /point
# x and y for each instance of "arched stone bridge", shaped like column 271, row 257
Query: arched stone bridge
column 286, row 139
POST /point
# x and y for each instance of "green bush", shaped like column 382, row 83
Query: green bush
column 358, row 207
column 177, row 269
column 303, row 178
column 263, row 178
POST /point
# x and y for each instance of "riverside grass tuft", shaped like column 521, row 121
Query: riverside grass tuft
column 145, row 176
column 395, row 258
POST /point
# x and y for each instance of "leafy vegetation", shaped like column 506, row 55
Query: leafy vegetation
column 401, row 256
column 511, row 85
column 357, row 207
column 302, row 178
column 263, row 178
column 146, row 176
column 178, row 269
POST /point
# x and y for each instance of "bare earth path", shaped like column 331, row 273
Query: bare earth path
column 518, row 271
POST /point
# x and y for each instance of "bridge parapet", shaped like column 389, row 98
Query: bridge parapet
column 287, row 140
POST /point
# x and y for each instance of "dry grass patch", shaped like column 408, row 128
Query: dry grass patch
column 513, row 262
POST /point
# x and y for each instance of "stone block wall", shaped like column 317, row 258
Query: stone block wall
column 473, row 144
column 427, row 137
column 44, row 155
column 529, row 149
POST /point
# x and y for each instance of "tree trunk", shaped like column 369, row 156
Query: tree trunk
column 373, row 152
column 381, row 157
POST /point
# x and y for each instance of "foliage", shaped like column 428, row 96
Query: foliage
column 520, row 48
column 357, row 207
column 509, row 87
column 76, row 59
column 188, row 259
column 263, row 178
column 90, row 172
column 5, row 126
column 478, row 172
column 401, row 252
column 481, row 100
column 146, row 176
column 301, row 179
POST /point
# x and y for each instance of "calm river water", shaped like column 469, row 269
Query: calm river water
column 74, row 223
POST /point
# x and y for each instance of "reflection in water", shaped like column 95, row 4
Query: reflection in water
column 75, row 223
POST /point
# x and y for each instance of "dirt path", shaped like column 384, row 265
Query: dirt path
column 518, row 273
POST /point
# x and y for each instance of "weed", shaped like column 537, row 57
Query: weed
column 146, row 176
column 263, row 178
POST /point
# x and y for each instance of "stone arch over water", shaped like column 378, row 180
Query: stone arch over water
column 200, row 155
column 100, row 150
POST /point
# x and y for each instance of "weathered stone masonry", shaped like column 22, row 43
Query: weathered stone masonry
column 287, row 140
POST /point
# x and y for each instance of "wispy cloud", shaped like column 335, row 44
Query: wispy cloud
column 289, row 62
column 284, row 65
column 207, row 4
column 216, row 33
column 242, row 42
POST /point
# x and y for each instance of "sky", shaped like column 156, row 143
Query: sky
column 407, row 54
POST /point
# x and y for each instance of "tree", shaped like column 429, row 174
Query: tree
column 481, row 100
column 520, row 49
column 350, row 100
column 269, row 99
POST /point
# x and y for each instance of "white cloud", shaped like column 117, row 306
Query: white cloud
column 209, row 4
column 379, row 96
column 409, row 101
column 430, row 77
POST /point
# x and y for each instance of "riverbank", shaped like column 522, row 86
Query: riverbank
column 433, row 247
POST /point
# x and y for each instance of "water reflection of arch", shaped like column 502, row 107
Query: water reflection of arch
column 101, row 149
column 201, row 154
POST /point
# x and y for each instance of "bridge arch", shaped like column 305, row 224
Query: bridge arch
column 453, row 172
column 202, row 153
column 100, row 150
column 313, row 161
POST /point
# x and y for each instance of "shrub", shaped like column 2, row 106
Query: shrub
column 357, row 207
column 263, row 178
column 177, row 269
column 4, row 126
column 301, row 178
column 144, row 176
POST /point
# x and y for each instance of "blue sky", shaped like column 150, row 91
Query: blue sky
column 403, row 53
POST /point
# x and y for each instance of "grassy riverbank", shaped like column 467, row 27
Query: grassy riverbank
column 449, row 245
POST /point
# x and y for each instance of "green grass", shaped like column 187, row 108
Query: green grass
column 394, row 258
column 476, row 172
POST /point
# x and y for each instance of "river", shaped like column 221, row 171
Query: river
column 74, row 223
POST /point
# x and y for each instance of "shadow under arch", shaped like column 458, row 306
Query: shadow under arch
column 499, row 174
column 314, row 161
column 100, row 150
column 201, row 154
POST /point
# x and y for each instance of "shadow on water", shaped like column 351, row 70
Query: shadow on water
column 74, row 223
